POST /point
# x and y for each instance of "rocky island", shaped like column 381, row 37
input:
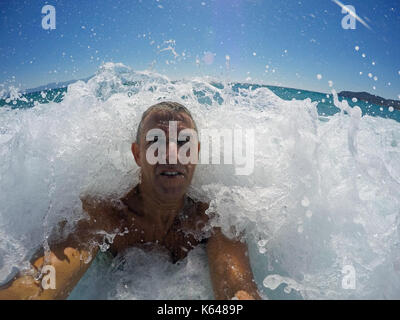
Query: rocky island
column 370, row 98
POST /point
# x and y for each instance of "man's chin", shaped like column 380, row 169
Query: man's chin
column 171, row 189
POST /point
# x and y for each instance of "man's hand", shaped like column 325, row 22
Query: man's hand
column 230, row 268
column 243, row 295
column 68, row 271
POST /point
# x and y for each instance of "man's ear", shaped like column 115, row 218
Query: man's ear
column 136, row 153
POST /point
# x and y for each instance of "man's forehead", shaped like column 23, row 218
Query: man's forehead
column 161, row 119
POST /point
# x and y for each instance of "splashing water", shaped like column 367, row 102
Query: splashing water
column 323, row 194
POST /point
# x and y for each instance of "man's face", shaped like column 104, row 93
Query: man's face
column 169, row 181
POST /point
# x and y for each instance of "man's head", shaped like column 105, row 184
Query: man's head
column 170, row 180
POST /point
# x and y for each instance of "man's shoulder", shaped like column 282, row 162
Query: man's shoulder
column 90, row 202
column 102, row 211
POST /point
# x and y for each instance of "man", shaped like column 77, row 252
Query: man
column 155, row 213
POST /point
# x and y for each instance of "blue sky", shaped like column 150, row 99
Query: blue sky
column 297, row 40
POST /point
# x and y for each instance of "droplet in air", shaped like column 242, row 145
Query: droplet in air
column 305, row 202
column 330, row 83
column 357, row 48
column 363, row 55
column 272, row 281
column 354, row 100
column 287, row 289
column 370, row 75
column 300, row 229
column 262, row 243
column 254, row 54
column 391, row 109
column 319, row 76
column 308, row 213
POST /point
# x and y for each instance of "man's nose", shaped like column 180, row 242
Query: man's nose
column 172, row 153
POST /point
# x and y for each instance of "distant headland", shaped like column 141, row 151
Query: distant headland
column 370, row 98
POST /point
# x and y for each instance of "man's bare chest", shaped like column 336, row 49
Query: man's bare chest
column 184, row 234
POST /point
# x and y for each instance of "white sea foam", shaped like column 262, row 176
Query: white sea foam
column 348, row 169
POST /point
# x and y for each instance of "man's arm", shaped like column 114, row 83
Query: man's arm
column 70, row 259
column 230, row 268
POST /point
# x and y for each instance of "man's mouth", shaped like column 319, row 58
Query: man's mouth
column 171, row 173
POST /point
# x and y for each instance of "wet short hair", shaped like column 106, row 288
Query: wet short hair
column 168, row 106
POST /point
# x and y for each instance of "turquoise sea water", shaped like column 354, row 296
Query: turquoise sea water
column 325, row 104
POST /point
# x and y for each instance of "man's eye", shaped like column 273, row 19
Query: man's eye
column 184, row 141
column 154, row 139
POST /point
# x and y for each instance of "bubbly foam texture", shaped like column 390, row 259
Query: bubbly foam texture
column 344, row 171
column 139, row 274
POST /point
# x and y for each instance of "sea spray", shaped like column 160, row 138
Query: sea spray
column 347, row 167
